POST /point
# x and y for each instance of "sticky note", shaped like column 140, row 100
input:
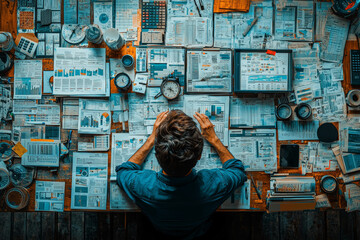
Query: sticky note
column 19, row 149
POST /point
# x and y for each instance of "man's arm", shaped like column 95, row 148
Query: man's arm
column 141, row 154
column 208, row 132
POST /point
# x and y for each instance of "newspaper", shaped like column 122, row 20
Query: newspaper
column 215, row 107
column 256, row 148
column 48, row 114
column 70, row 113
column 230, row 27
column 94, row 116
column 123, row 146
column 79, row 71
column 27, row 79
column 352, row 197
column 209, row 158
column 49, row 196
column 252, row 113
column 140, row 83
column 41, row 152
column 208, row 71
column 329, row 108
column 126, row 14
column 95, row 143
column 297, row 130
column 89, row 181
column 187, row 26
column 103, row 15
column 165, row 61
column 322, row 9
column 294, row 20
column 239, row 199
column 119, row 199
column 6, row 102
column 83, row 13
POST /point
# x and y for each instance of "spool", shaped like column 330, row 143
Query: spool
column 4, row 176
column 17, row 198
column 113, row 39
column 353, row 98
column 94, row 34
column 6, row 42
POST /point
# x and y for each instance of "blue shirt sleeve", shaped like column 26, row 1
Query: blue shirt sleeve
column 126, row 174
column 233, row 172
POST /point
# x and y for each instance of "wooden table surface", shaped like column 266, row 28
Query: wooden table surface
column 8, row 24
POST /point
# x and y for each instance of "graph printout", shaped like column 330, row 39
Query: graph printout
column 79, row 72
column 27, row 79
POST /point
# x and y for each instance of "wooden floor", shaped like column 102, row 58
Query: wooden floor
column 331, row 224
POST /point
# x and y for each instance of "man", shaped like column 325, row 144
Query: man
column 180, row 200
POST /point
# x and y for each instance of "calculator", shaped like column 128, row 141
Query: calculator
column 27, row 46
column 153, row 14
column 355, row 67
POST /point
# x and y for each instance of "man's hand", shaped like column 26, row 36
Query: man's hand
column 207, row 128
column 159, row 119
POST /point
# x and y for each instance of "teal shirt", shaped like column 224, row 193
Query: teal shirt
column 181, row 206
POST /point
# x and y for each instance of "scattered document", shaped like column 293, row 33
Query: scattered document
column 297, row 130
column 89, row 181
column 140, row 83
column 119, row 199
column 49, row 196
column 252, row 113
column 70, row 113
column 79, row 71
column 141, row 59
column 209, row 71
column 100, row 143
column 352, row 197
column 127, row 14
column 6, row 102
column 94, row 116
column 27, row 79
column 256, row 148
column 103, row 15
column 41, row 152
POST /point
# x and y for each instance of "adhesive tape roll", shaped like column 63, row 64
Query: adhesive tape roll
column 353, row 98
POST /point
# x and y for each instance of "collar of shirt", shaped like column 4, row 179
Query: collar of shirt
column 177, row 181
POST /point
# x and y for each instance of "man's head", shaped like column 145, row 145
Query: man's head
column 178, row 144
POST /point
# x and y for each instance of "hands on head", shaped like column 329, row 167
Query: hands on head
column 159, row 119
column 207, row 128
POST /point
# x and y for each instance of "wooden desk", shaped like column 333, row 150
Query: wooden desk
column 8, row 23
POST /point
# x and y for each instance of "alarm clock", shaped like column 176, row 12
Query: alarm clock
column 283, row 112
column 328, row 184
column 170, row 88
column 73, row 33
column 303, row 111
column 122, row 81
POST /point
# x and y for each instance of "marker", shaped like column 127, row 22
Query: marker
column 256, row 189
column 250, row 26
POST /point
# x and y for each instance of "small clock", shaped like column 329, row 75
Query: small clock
column 328, row 184
column 122, row 81
column 303, row 111
column 73, row 33
column 283, row 112
column 170, row 88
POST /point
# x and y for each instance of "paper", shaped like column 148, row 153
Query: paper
column 83, row 12
column 70, row 15
column 126, row 14
column 123, row 146
column 294, row 20
column 352, row 197
column 96, row 143
column 41, row 152
column 48, row 41
column 322, row 9
column 297, row 130
column 26, row 19
column 165, row 61
column 252, row 113
column 70, row 113
column 119, row 199
column 103, row 15
column 208, row 71
column 48, row 114
column 216, row 108
column 140, row 83
column 239, row 199
column 141, row 59
column 6, row 102
column 94, row 116
column 47, row 88
column 89, row 181
column 79, row 71
column 27, row 79
column 229, row 27
column 256, row 148
column 322, row 201
column 49, row 196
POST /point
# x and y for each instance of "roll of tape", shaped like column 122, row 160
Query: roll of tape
column 353, row 98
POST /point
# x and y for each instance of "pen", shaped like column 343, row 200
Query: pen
column 256, row 189
column 250, row 26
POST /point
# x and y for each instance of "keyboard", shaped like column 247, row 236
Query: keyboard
column 355, row 67
column 153, row 15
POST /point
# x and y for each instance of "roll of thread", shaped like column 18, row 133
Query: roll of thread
column 17, row 198
column 113, row 39
column 94, row 34
column 4, row 176
column 353, row 98
column 6, row 41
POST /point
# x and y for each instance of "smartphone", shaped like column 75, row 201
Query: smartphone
column 289, row 156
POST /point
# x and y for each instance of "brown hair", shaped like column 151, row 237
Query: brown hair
column 178, row 144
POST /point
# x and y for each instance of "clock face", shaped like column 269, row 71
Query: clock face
column 304, row 111
column 284, row 112
column 329, row 184
column 73, row 33
column 170, row 89
column 122, row 80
